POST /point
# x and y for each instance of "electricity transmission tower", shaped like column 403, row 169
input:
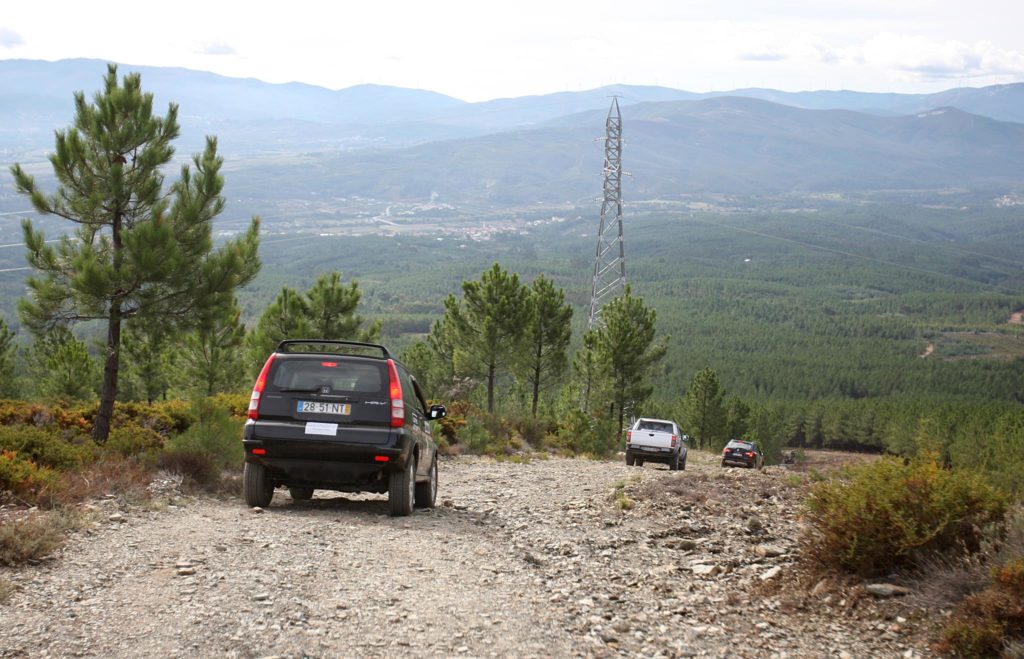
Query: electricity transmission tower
column 610, row 261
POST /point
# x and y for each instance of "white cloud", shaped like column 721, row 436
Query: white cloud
column 928, row 59
column 216, row 48
column 10, row 39
column 804, row 47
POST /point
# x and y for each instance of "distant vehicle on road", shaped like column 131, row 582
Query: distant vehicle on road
column 743, row 454
column 656, row 440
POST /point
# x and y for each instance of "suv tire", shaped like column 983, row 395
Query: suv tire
column 301, row 493
column 426, row 493
column 401, row 486
column 257, row 488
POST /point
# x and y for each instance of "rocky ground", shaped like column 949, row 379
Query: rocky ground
column 549, row 558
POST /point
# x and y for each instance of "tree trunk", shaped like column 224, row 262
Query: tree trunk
column 536, row 389
column 101, row 427
column 490, row 388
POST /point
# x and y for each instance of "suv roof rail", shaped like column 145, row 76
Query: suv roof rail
column 284, row 345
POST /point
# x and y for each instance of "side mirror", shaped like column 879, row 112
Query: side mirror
column 437, row 412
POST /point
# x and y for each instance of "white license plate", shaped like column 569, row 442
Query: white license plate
column 317, row 407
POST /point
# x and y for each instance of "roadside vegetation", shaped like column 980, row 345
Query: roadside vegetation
column 136, row 343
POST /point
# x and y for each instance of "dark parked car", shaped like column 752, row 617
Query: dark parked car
column 742, row 454
column 343, row 416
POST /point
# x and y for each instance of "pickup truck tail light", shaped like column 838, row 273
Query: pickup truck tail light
column 629, row 436
column 257, row 389
column 674, row 440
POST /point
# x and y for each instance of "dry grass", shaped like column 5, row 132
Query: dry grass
column 126, row 477
column 6, row 590
column 32, row 537
column 815, row 460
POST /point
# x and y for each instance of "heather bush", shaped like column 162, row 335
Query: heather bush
column 48, row 447
column 134, row 441
column 875, row 518
column 26, row 480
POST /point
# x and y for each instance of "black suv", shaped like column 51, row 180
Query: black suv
column 745, row 454
column 339, row 415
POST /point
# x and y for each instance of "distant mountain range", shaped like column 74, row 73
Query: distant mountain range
column 394, row 143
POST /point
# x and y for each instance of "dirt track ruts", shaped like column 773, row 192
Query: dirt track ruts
column 536, row 559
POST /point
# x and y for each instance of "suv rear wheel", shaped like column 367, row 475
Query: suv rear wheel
column 257, row 488
column 426, row 493
column 401, row 486
column 301, row 493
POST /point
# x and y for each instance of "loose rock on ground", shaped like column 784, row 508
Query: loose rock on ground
column 537, row 559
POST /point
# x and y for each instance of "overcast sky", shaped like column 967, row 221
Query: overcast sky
column 480, row 49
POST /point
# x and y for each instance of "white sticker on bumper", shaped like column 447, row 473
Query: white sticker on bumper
column 313, row 428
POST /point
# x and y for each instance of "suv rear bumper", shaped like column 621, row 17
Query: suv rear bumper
column 329, row 464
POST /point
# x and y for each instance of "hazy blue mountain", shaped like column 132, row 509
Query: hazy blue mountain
column 287, row 141
column 720, row 145
column 1002, row 102
column 256, row 117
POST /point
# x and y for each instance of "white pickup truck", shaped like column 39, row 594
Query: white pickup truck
column 656, row 440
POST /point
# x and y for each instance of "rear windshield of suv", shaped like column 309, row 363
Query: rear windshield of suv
column 743, row 445
column 339, row 375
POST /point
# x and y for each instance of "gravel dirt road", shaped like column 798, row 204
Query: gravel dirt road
column 549, row 558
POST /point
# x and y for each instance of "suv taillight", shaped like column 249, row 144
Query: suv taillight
column 397, row 402
column 257, row 389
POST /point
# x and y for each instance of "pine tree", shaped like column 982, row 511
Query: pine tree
column 8, row 352
column 546, row 337
column 331, row 309
column 147, row 356
column 589, row 372
column 137, row 251
column 626, row 346
column 737, row 415
column 488, row 325
column 61, row 366
column 703, row 409
column 211, row 355
column 286, row 318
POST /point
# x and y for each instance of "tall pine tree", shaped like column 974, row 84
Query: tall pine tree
column 137, row 250
column 703, row 409
column 626, row 347
column 488, row 325
column 547, row 337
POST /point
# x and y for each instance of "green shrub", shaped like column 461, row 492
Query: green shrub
column 47, row 446
column 582, row 434
column 211, row 444
column 27, row 480
column 478, row 435
column 236, row 404
column 872, row 519
column 134, row 441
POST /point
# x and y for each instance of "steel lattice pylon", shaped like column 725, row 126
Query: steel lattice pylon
column 610, row 261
